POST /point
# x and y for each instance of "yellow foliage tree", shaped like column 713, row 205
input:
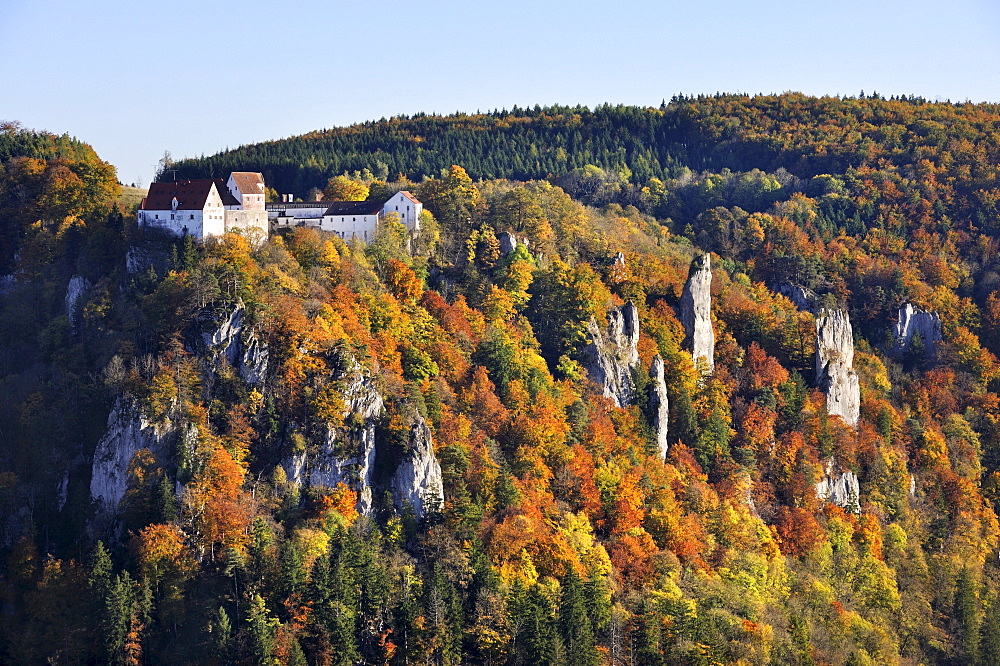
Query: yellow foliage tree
column 342, row 188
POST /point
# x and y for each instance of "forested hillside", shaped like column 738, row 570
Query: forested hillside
column 47, row 179
column 578, row 419
column 803, row 135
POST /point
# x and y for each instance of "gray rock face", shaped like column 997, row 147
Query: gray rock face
column 77, row 285
column 696, row 313
column 613, row 353
column 128, row 431
column 914, row 321
column 346, row 455
column 417, row 481
column 240, row 346
column 839, row 487
column 509, row 242
column 804, row 299
column 136, row 260
column 62, row 493
column 226, row 337
column 834, row 365
column 140, row 258
column 751, row 504
column 253, row 359
column 659, row 408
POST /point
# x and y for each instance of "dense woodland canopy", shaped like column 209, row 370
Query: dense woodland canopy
column 563, row 537
column 803, row 135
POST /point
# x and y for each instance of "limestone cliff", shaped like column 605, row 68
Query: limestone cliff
column 659, row 408
column 509, row 242
column 129, row 431
column 613, row 353
column 345, row 454
column 74, row 291
column 231, row 339
column 417, row 481
column 804, row 299
column 914, row 321
column 253, row 358
column 839, row 487
column 618, row 265
column 696, row 312
column 835, row 374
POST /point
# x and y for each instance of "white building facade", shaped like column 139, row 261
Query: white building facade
column 193, row 207
column 297, row 214
column 348, row 219
column 248, row 191
column 203, row 208
column 353, row 219
column 407, row 207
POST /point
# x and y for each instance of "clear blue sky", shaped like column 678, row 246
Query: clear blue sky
column 137, row 78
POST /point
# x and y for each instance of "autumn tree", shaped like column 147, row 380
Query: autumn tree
column 563, row 301
column 342, row 188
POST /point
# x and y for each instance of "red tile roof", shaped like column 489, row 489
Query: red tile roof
column 191, row 194
column 249, row 182
column 409, row 196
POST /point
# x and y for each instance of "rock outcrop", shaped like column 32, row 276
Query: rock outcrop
column 136, row 260
column 417, row 482
column 345, row 454
column 77, row 286
column 613, row 353
column 239, row 345
column 509, row 243
column 804, row 299
column 62, row 493
column 696, row 313
column 253, row 358
column 129, row 431
column 659, row 408
column 835, row 374
column 149, row 253
column 839, row 487
column 914, row 321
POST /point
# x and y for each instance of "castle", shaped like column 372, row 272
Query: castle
column 206, row 207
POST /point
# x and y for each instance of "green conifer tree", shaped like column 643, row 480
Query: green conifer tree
column 262, row 627
column 967, row 617
column 574, row 623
